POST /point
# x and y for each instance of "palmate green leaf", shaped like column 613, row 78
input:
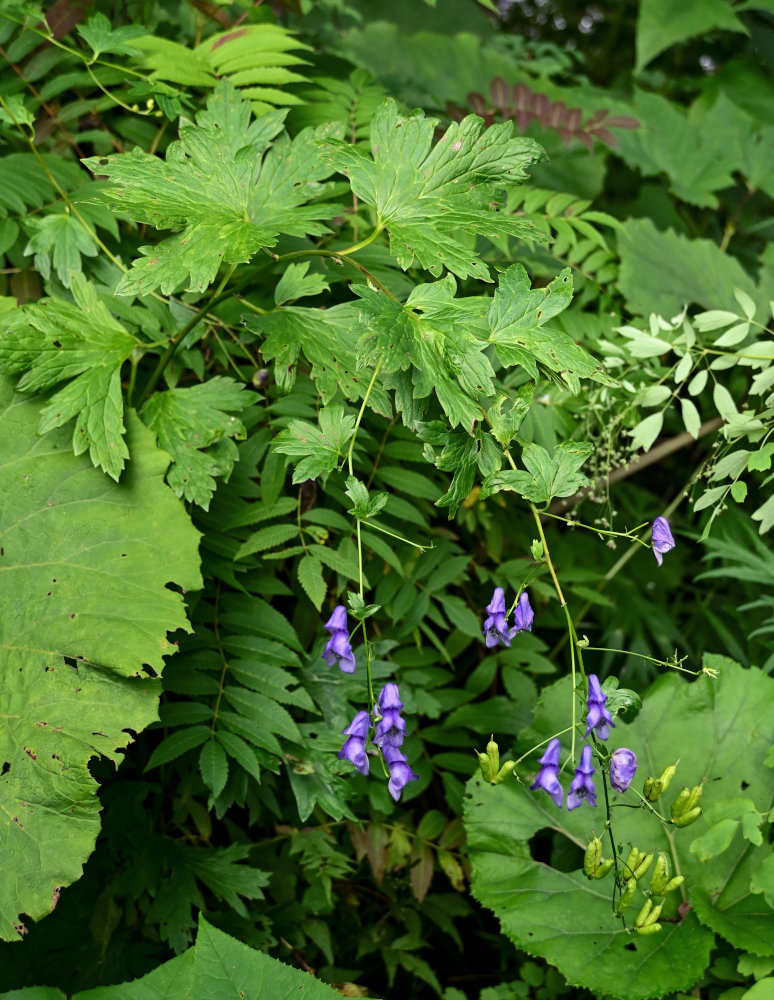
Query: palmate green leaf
column 60, row 240
column 547, row 476
column 187, row 421
column 517, row 319
column 53, row 341
column 422, row 193
column 320, row 450
column 84, row 604
column 721, row 730
column 218, row 187
column 101, row 36
column 328, row 340
column 439, row 338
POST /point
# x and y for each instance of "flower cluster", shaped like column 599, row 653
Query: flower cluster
column 496, row 628
column 338, row 649
column 390, row 730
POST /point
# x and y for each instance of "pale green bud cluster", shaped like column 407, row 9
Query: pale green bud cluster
column 489, row 763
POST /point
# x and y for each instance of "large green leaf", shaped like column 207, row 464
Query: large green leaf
column 218, row 187
column 721, row 731
column 423, row 194
column 661, row 24
column 84, row 604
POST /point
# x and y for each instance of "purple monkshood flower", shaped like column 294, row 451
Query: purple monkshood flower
column 523, row 616
column 338, row 649
column 582, row 787
column 598, row 718
column 400, row 772
column 354, row 749
column 496, row 625
column 390, row 728
column 661, row 538
column 623, row 764
column 548, row 776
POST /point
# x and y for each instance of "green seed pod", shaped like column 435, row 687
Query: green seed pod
column 667, row 775
column 660, row 876
column 687, row 818
column 649, row 789
column 631, row 862
column 674, row 883
column 626, row 896
column 694, row 798
column 678, row 806
column 649, row 929
column 504, row 771
column 592, row 858
column 643, row 864
column 486, row 766
column 604, row 868
column 493, row 752
column 642, row 917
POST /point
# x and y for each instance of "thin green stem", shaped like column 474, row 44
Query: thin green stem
column 180, row 336
column 599, row 531
column 392, row 534
column 357, row 422
column 362, row 243
column 340, row 258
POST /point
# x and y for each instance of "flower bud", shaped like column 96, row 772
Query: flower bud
column 626, row 896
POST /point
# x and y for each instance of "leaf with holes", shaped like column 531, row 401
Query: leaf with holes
column 75, row 545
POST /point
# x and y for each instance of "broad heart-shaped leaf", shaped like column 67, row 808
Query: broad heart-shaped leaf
column 186, row 421
column 517, row 319
column 547, row 476
column 720, row 730
column 435, row 336
column 84, row 603
column 217, row 186
column 55, row 340
column 424, row 193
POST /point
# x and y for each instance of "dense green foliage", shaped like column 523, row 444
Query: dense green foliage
column 323, row 305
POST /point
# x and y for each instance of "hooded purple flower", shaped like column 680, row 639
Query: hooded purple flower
column 390, row 728
column 338, row 649
column 598, row 718
column 523, row 616
column 400, row 772
column 582, row 787
column 661, row 538
column 548, row 776
column 623, row 764
column 354, row 749
column 496, row 625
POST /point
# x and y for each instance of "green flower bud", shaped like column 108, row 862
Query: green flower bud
column 626, row 896
column 504, row 771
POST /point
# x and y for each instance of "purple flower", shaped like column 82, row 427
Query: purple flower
column 522, row 617
column 598, row 718
column 390, row 728
column 548, row 776
column 338, row 649
column 400, row 772
column 496, row 625
column 623, row 764
column 582, row 787
column 354, row 749
column 661, row 538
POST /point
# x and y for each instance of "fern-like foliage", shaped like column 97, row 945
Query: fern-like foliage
column 519, row 103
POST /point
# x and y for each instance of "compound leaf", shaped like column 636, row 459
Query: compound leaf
column 547, row 476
